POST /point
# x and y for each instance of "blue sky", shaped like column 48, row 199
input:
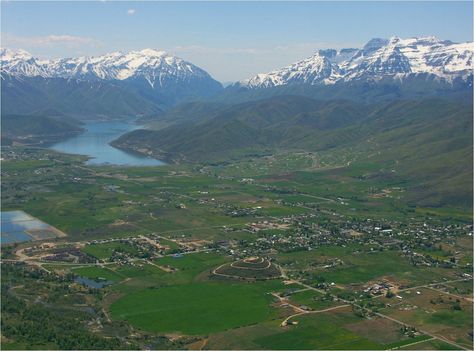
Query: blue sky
column 231, row 40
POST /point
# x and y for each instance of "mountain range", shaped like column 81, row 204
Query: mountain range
column 402, row 104
column 140, row 82
column 148, row 82
column 379, row 59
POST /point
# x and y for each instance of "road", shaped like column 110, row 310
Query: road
column 285, row 322
column 429, row 286
column 236, row 276
column 469, row 299
column 380, row 314
column 40, row 263
column 413, row 343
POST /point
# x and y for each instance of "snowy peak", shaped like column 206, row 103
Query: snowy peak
column 153, row 66
column 149, row 64
column 20, row 63
column 427, row 55
column 312, row 70
column 8, row 55
column 395, row 58
column 374, row 44
column 374, row 62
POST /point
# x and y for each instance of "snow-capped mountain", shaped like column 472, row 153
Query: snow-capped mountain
column 20, row 63
column 379, row 59
column 152, row 75
column 154, row 66
column 313, row 70
column 150, row 81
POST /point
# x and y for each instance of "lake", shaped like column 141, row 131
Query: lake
column 94, row 142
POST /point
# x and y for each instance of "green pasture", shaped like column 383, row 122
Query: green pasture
column 198, row 308
column 105, row 250
column 97, row 272
column 322, row 331
column 311, row 299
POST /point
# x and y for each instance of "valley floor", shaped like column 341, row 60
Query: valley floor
column 284, row 251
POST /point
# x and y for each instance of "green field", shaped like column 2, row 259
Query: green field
column 359, row 267
column 312, row 299
column 434, row 313
column 139, row 269
column 301, row 211
column 433, row 344
column 104, row 251
column 97, row 272
column 330, row 331
column 199, row 308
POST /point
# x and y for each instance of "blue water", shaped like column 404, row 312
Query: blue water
column 15, row 225
column 94, row 142
column 14, row 237
column 92, row 283
column 12, row 216
column 23, row 225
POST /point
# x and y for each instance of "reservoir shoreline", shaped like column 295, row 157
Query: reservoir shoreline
column 96, row 143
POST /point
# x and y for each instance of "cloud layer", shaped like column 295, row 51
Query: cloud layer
column 53, row 40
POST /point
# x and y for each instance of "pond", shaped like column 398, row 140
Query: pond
column 96, row 284
column 18, row 226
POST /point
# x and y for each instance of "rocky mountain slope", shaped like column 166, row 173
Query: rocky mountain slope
column 380, row 59
column 151, row 76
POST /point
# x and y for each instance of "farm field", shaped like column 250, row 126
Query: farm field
column 208, row 307
column 462, row 288
column 357, row 266
column 104, row 251
column 313, row 300
column 300, row 263
column 430, row 345
column 318, row 331
column 435, row 312
column 97, row 273
column 237, row 175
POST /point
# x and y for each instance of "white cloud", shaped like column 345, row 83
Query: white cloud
column 131, row 12
column 53, row 40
